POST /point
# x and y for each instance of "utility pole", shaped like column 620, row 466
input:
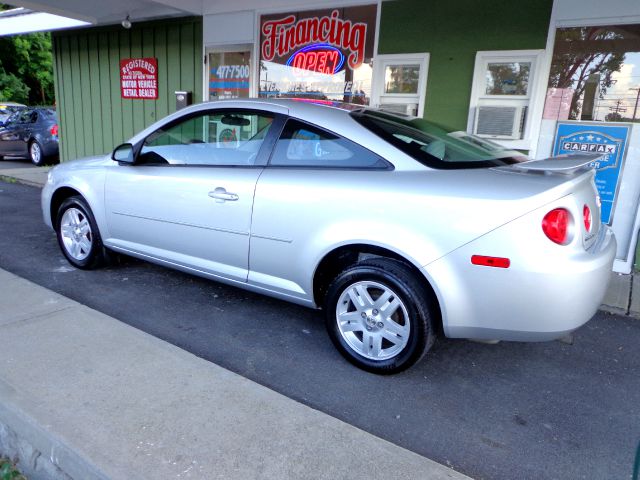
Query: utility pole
column 635, row 109
column 618, row 108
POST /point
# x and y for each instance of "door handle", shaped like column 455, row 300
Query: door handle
column 221, row 195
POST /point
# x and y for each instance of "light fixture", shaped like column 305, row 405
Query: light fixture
column 126, row 23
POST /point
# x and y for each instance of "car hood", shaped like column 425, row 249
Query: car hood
column 97, row 161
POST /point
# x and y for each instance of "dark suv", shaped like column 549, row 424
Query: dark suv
column 32, row 133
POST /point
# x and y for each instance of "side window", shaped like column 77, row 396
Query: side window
column 221, row 138
column 303, row 145
column 25, row 116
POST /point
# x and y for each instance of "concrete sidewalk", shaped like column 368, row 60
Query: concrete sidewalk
column 34, row 176
column 85, row 396
column 623, row 296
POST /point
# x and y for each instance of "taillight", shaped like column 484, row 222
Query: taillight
column 54, row 130
column 586, row 215
column 555, row 225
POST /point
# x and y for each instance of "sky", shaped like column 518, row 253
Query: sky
column 628, row 77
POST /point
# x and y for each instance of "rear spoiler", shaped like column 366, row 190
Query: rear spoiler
column 564, row 164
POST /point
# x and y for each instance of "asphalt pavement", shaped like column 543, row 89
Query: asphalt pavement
column 512, row 410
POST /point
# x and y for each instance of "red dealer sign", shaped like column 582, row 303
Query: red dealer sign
column 139, row 78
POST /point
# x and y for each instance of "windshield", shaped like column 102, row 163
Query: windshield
column 435, row 146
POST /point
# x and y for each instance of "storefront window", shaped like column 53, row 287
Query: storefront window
column 320, row 54
column 595, row 73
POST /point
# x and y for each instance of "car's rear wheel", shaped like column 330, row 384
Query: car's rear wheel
column 36, row 155
column 78, row 234
column 378, row 316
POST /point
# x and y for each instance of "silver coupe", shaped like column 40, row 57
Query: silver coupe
column 400, row 230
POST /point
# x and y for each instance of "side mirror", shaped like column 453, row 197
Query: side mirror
column 123, row 153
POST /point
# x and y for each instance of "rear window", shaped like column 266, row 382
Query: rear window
column 48, row 113
column 434, row 146
column 304, row 145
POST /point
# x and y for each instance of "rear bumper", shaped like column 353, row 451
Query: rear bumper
column 538, row 298
column 50, row 146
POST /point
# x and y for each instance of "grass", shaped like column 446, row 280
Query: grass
column 7, row 180
column 8, row 470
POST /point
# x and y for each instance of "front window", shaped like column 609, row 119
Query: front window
column 220, row 138
column 435, row 146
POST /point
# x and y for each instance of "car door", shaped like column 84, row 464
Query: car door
column 187, row 199
column 15, row 136
column 314, row 191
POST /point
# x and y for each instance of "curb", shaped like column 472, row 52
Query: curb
column 22, row 181
column 41, row 454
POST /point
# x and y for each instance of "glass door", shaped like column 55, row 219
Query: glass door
column 229, row 73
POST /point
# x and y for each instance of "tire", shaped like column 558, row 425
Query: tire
column 78, row 234
column 358, row 326
column 36, row 154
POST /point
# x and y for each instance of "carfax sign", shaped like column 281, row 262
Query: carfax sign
column 606, row 139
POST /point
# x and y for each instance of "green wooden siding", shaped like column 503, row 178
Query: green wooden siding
column 92, row 116
column 452, row 32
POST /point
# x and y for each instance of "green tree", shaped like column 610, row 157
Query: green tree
column 27, row 59
column 12, row 89
column 26, row 68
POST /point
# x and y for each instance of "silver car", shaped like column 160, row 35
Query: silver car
column 398, row 229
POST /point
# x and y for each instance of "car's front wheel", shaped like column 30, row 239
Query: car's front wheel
column 78, row 234
column 378, row 315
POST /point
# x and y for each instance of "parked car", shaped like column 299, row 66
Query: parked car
column 397, row 228
column 32, row 133
column 7, row 109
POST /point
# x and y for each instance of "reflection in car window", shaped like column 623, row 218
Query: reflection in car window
column 25, row 116
column 303, row 145
column 223, row 138
column 435, row 146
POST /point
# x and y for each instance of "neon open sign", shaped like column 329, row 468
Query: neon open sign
column 321, row 58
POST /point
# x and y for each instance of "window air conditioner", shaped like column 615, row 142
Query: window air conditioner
column 500, row 122
column 410, row 108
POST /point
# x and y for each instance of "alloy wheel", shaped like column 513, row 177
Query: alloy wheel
column 36, row 152
column 373, row 320
column 76, row 233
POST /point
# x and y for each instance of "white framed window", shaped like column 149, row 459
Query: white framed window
column 400, row 82
column 504, row 96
